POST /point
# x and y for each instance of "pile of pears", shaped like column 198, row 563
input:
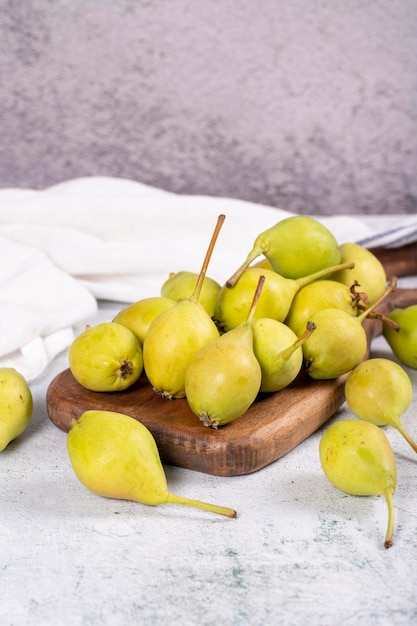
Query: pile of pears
column 296, row 303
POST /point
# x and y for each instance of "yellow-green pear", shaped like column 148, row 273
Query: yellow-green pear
column 295, row 246
column 279, row 352
column 180, row 285
column 16, row 405
column 367, row 271
column 380, row 391
column 106, row 357
column 223, row 379
column 357, row 458
column 139, row 315
column 403, row 339
column 176, row 335
column 116, row 456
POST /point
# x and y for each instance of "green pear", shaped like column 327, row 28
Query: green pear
column 380, row 391
column 176, row 335
column 180, row 285
column 403, row 342
column 16, row 405
column 139, row 315
column 233, row 303
column 279, row 352
column 295, row 246
column 321, row 294
column 223, row 379
column 106, row 357
column 367, row 271
column 339, row 342
column 115, row 456
column 357, row 458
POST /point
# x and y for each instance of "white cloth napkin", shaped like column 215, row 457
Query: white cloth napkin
column 64, row 248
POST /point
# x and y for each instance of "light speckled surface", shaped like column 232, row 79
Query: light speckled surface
column 308, row 106
column 299, row 552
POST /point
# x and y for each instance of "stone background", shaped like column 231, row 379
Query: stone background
column 306, row 105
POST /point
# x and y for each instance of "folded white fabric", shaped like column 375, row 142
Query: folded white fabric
column 66, row 247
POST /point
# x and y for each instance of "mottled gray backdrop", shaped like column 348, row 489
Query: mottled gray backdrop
column 308, row 105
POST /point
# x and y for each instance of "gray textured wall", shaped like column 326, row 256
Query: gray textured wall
column 306, row 105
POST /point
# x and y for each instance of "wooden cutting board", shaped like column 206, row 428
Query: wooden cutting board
column 274, row 424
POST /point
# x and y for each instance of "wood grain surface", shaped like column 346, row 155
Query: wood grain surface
column 274, row 424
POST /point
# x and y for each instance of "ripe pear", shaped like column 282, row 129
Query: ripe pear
column 139, row 315
column 176, row 335
column 223, row 379
column 233, row 303
column 295, row 246
column 116, row 456
column 367, row 271
column 180, row 285
column 380, row 391
column 321, row 294
column 357, row 458
column 339, row 342
column 279, row 352
column 403, row 342
column 16, row 405
column 106, row 357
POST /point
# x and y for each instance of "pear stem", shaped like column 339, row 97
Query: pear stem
column 406, row 436
column 285, row 354
column 255, row 299
column 197, row 504
column 310, row 278
column 390, row 526
column 389, row 289
column 197, row 289
column 253, row 254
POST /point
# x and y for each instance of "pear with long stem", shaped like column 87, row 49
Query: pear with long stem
column 116, row 456
column 357, row 458
column 177, row 334
column 380, row 391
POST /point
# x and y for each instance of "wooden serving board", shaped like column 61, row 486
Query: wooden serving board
column 274, row 424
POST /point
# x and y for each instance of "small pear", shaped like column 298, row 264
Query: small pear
column 357, row 458
column 116, row 456
column 233, row 303
column 339, row 342
column 139, row 315
column 180, row 285
column 176, row 335
column 223, row 379
column 279, row 352
column 367, row 271
column 16, row 405
column 380, row 391
column 321, row 294
column 403, row 340
column 106, row 357
column 295, row 246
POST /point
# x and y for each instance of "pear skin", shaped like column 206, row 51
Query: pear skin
column 403, row 341
column 139, row 315
column 357, row 458
column 16, row 405
column 115, row 456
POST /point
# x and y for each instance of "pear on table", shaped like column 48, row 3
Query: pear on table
column 177, row 334
column 380, row 391
column 16, row 405
column 357, row 458
column 116, row 456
